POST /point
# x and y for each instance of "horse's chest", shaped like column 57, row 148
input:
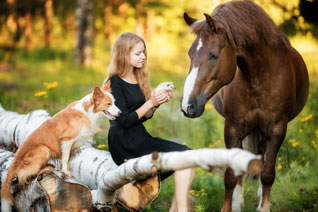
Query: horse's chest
column 252, row 106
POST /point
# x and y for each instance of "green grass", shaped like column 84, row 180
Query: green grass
column 296, row 185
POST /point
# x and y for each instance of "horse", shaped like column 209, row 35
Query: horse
column 255, row 79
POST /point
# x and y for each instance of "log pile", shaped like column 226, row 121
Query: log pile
column 97, row 181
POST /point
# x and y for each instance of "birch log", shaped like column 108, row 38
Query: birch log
column 96, row 169
column 41, row 195
column 15, row 127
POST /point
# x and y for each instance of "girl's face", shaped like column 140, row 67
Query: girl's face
column 137, row 55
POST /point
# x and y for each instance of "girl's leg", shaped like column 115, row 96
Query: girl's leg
column 183, row 180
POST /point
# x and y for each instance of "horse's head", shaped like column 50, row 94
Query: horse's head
column 213, row 64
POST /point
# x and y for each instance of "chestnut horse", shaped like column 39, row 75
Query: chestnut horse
column 257, row 81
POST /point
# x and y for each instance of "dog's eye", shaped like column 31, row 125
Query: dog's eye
column 109, row 104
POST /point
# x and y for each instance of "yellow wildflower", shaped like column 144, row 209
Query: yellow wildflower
column 40, row 93
column 99, row 130
column 314, row 143
column 279, row 158
column 279, row 167
column 307, row 118
column 101, row 146
column 241, row 195
column 292, row 141
column 208, row 106
column 295, row 144
column 316, row 133
column 51, row 85
column 301, row 130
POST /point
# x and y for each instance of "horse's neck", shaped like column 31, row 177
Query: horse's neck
column 254, row 63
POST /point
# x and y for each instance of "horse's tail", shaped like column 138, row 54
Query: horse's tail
column 251, row 142
column 6, row 192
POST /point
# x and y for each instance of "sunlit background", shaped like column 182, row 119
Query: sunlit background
column 55, row 52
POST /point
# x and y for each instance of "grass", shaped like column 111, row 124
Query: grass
column 296, row 186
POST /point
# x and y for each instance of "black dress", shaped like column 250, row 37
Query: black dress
column 127, row 136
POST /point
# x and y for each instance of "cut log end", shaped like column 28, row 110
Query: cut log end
column 137, row 196
column 254, row 167
column 155, row 155
column 154, row 169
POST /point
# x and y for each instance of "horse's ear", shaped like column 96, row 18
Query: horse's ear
column 188, row 19
column 210, row 21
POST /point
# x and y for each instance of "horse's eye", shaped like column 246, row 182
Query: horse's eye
column 213, row 56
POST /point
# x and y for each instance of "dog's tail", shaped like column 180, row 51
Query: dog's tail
column 6, row 193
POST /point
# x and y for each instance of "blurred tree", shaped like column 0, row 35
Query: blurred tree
column 309, row 10
column 48, row 21
column 64, row 10
column 84, row 30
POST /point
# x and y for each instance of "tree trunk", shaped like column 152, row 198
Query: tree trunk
column 108, row 16
column 13, row 23
column 28, row 31
column 48, row 21
column 109, row 183
column 84, row 38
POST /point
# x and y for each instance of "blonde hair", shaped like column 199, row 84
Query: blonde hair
column 120, row 62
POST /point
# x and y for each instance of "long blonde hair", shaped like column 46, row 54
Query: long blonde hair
column 120, row 62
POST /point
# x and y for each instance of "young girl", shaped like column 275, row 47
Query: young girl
column 127, row 137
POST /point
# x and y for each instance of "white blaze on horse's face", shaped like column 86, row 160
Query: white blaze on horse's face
column 188, row 88
column 190, row 82
column 200, row 45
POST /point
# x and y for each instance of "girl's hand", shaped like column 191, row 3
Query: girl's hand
column 157, row 98
column 168, row 96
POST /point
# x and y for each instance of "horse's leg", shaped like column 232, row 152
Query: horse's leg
column 273, row 144
column 237, row 197
column 250, row 143
column 232, row 137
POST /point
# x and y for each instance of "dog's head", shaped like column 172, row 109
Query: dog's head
column 104, row 102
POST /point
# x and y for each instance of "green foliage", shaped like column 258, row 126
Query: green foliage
column 295, row 188
column 23, row 73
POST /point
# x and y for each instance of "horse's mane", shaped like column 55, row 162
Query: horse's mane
column 245, row 23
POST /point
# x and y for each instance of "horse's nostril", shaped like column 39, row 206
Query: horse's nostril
column 190, row 109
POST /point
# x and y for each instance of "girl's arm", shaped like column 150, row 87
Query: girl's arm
column 156, row 99
column 150, row 113
column 127, row 119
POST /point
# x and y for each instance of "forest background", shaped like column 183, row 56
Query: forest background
column 53, row 52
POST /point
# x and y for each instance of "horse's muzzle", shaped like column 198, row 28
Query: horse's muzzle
column 195, row 107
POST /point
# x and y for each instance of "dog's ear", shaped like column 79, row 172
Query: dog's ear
column 97, row 93
column 106, row 86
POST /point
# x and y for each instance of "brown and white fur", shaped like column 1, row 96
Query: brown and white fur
column 55, row 138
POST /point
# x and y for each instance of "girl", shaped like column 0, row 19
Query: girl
column 127, row 137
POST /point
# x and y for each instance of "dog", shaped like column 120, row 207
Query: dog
column 55, row 138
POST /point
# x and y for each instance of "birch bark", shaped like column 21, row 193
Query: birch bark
column 95, row 168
